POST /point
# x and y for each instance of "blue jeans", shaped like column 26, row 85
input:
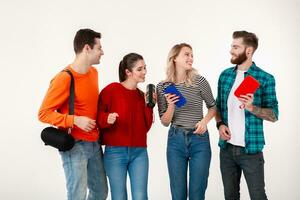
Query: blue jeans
column 186, row 149
column 120, row 160
column 234, row 161
column 83, row 166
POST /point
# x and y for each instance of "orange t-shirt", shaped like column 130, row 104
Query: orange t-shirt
column 55, row 107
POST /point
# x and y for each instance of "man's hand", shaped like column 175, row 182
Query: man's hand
column 112, row 117
column 247, row 101
column 84, row 123
column 264, row 113
column 224, row 132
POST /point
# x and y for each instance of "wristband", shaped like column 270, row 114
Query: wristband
column 220, row 123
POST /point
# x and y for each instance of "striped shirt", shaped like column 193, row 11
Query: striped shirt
column 192, row 112
column 264, row 97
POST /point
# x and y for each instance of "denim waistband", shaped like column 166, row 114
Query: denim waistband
column 229, row 145
column 79, row 141
column 185, row 130
column 237, row 150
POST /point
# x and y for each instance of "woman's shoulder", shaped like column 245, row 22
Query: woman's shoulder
column 112, row 86
column 200, row 79
column 160, row 84
column 163, row 84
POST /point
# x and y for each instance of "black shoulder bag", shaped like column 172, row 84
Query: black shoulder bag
column 57, row 138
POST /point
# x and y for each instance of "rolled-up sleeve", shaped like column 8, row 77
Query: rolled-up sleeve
column 269, row 99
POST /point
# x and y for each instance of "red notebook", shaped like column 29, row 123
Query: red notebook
column 248, row 85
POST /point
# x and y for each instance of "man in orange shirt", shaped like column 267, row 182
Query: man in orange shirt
column 83, row 164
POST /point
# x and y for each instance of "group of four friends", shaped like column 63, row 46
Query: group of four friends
column 119, row 118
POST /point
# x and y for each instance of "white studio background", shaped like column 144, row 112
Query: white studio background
column 36, row 43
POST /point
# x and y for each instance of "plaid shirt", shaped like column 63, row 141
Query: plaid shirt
column 264, row 97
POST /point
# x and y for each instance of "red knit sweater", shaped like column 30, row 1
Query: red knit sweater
column 134, row 121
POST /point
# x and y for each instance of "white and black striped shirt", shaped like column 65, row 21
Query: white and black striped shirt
column 192, row 112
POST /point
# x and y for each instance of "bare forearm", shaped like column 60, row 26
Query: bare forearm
column 264, row 113
column 218, row 117
column 167, row 116
column 210, row 114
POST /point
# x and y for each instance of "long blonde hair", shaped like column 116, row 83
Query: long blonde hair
column 171, row 69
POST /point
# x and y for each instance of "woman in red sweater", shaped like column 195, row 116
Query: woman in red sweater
column 124, row 120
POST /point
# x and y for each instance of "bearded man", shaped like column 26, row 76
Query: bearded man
column 241, row 127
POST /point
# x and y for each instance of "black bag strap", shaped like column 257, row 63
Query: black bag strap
column 72, row 93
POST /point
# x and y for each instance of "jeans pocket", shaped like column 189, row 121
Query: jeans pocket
column 108, row 148
column 261, row 158
column 171, row 132
column 204, row 136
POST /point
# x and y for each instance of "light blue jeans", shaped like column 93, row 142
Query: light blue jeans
column 186, row 149
column 120, row 160
column 83, row 166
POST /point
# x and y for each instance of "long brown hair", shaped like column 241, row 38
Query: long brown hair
column 128, row 62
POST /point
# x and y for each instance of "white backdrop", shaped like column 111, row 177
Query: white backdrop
column 36, row 43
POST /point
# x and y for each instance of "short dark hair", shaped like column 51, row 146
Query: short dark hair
column 249, row 39
column 83, row 37
column 128, row 62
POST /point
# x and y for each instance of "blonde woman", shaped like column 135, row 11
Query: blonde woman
column 188, row 138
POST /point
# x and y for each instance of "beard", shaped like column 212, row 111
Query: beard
column 239, row 59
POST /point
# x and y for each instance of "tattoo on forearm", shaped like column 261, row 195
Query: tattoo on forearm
column 264, row 113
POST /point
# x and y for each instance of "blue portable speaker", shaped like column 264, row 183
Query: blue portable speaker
column 171, row 89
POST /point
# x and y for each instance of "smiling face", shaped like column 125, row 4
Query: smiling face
column 138, row 72
column 185, row 59
column 239, row 51
column 95, row 53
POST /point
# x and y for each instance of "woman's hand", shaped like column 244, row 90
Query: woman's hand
column 171, row 99
column 112, row 117
column 201, row 127
column 154, row 97
column 168, row 115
